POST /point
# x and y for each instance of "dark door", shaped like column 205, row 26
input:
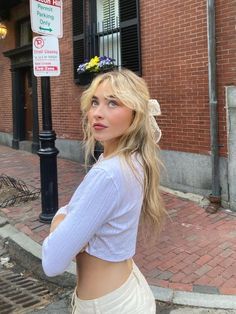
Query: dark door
column 28, row 104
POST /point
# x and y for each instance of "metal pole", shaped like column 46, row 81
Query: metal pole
column 213, row 98
column 48, row 157
column 35, row 144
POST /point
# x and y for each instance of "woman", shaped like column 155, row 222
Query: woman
column 99, row 225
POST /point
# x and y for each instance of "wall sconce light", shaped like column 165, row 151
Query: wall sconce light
column 3, row 31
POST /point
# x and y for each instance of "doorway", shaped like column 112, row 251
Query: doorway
column 27, row 126
column 24, row 99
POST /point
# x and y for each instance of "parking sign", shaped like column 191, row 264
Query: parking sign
column 46, row 17
column 46, row 57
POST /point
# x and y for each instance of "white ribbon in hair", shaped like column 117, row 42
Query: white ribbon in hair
column 154, row 110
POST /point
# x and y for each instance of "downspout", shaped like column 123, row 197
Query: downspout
column 215, row 196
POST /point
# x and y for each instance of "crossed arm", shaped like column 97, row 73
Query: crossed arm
column 56, row 221
column 74, row 225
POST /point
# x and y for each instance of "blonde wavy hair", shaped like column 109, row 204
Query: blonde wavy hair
column 132, row 91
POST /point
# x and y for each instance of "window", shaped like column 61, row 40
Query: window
column 107, row 14
column 23, row 33
column 108, row 30
column 107, row 27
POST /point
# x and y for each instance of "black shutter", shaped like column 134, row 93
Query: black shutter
column 78, row 34
column 92, row 39
column 130, row 35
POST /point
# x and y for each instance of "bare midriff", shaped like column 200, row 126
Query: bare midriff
column 97, row 277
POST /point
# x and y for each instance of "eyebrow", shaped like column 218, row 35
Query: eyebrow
column 106, row 97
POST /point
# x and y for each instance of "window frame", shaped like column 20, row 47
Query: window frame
column 18, row 32
column 130, row 49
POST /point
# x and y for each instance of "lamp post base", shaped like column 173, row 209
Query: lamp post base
column 46, row 218
column 48, row 172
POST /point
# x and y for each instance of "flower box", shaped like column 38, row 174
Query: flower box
column 85, row 78
column 89, row 69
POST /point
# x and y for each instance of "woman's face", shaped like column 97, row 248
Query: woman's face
column 108, row 117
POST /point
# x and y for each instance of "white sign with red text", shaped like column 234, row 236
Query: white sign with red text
column 46, row 17
column 46, row 57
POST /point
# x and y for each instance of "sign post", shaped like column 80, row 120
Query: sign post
column 46, row 19
column 48, row 158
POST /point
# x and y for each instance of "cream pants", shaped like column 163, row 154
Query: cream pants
column 133, row 297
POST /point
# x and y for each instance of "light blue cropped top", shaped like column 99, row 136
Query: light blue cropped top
column 102, row 215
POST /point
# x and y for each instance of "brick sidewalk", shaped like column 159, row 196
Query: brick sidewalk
column 195, row 252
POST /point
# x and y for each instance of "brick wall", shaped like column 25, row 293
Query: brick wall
column 175, row 64
column 6, row 88
column 174, row 51
column 65, row 94
column 8, row 43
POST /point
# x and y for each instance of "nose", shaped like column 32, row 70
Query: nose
column 98, row 111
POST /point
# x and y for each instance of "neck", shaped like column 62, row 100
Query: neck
column 109, row 148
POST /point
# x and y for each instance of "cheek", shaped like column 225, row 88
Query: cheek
column 123, row 121
column 128, row 118
column 119, row 120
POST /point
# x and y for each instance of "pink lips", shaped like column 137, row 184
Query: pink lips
column 99, row 126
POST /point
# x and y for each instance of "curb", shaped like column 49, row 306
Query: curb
column 216, row 301
column 28, row 253
column 196, row 198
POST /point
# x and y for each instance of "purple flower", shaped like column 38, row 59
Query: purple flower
column 105, row 63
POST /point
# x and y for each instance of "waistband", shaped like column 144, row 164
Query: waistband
column 113, row 298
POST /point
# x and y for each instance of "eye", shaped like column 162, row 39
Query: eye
column 94, row 103
column 112, row 104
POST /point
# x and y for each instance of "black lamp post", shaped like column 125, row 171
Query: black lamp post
column 48, row 157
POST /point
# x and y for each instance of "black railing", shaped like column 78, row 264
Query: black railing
column 103, row 39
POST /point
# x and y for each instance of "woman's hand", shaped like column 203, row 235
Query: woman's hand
column 56, row 221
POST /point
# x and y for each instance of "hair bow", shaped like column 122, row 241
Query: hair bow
column 154, row 110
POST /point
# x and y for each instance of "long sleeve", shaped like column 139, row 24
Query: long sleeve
column 89, row 208
column 62, row 210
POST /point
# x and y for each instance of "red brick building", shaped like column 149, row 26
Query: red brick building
column 169, row 43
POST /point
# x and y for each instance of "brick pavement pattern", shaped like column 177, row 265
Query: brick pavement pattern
column 196, row 251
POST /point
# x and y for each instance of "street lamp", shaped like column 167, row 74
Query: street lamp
column 3, row 31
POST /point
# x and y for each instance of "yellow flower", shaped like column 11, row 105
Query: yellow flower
column 93, row 64
column 96, row 59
